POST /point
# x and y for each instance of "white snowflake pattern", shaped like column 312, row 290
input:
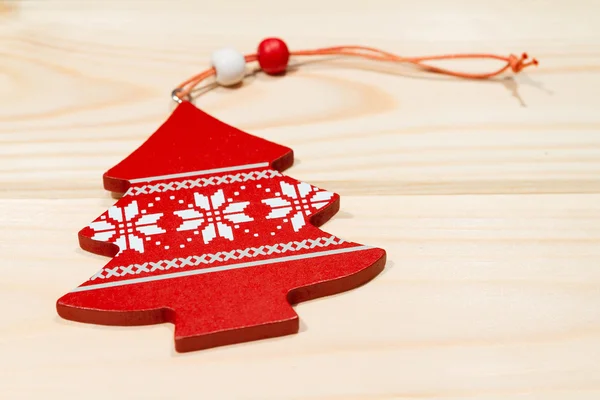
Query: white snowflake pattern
column 125, row 228
column 300, row 199
column 218, row 216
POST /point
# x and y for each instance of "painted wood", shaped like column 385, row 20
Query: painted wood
column 209, row 235
column 484, row 194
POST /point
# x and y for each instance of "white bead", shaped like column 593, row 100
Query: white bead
column 230, row 66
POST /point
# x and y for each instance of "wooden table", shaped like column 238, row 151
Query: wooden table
column 485, row 195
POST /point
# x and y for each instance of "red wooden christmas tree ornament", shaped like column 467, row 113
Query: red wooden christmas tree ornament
column 211, row 236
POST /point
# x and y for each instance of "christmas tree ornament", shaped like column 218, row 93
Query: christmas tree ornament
column 210, row 235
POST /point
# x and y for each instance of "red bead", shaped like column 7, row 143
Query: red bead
column 273, row 56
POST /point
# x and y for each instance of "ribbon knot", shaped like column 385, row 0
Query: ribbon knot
column 517, row 64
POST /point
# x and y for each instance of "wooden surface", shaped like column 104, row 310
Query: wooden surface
column 485, row 194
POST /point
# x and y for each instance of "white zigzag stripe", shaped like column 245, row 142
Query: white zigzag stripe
column 221, row 256
column 202, row 182
column 220, row 268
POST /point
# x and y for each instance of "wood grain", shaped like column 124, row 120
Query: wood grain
column 485, row 194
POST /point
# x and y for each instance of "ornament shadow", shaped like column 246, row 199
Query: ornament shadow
column 511, row 83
